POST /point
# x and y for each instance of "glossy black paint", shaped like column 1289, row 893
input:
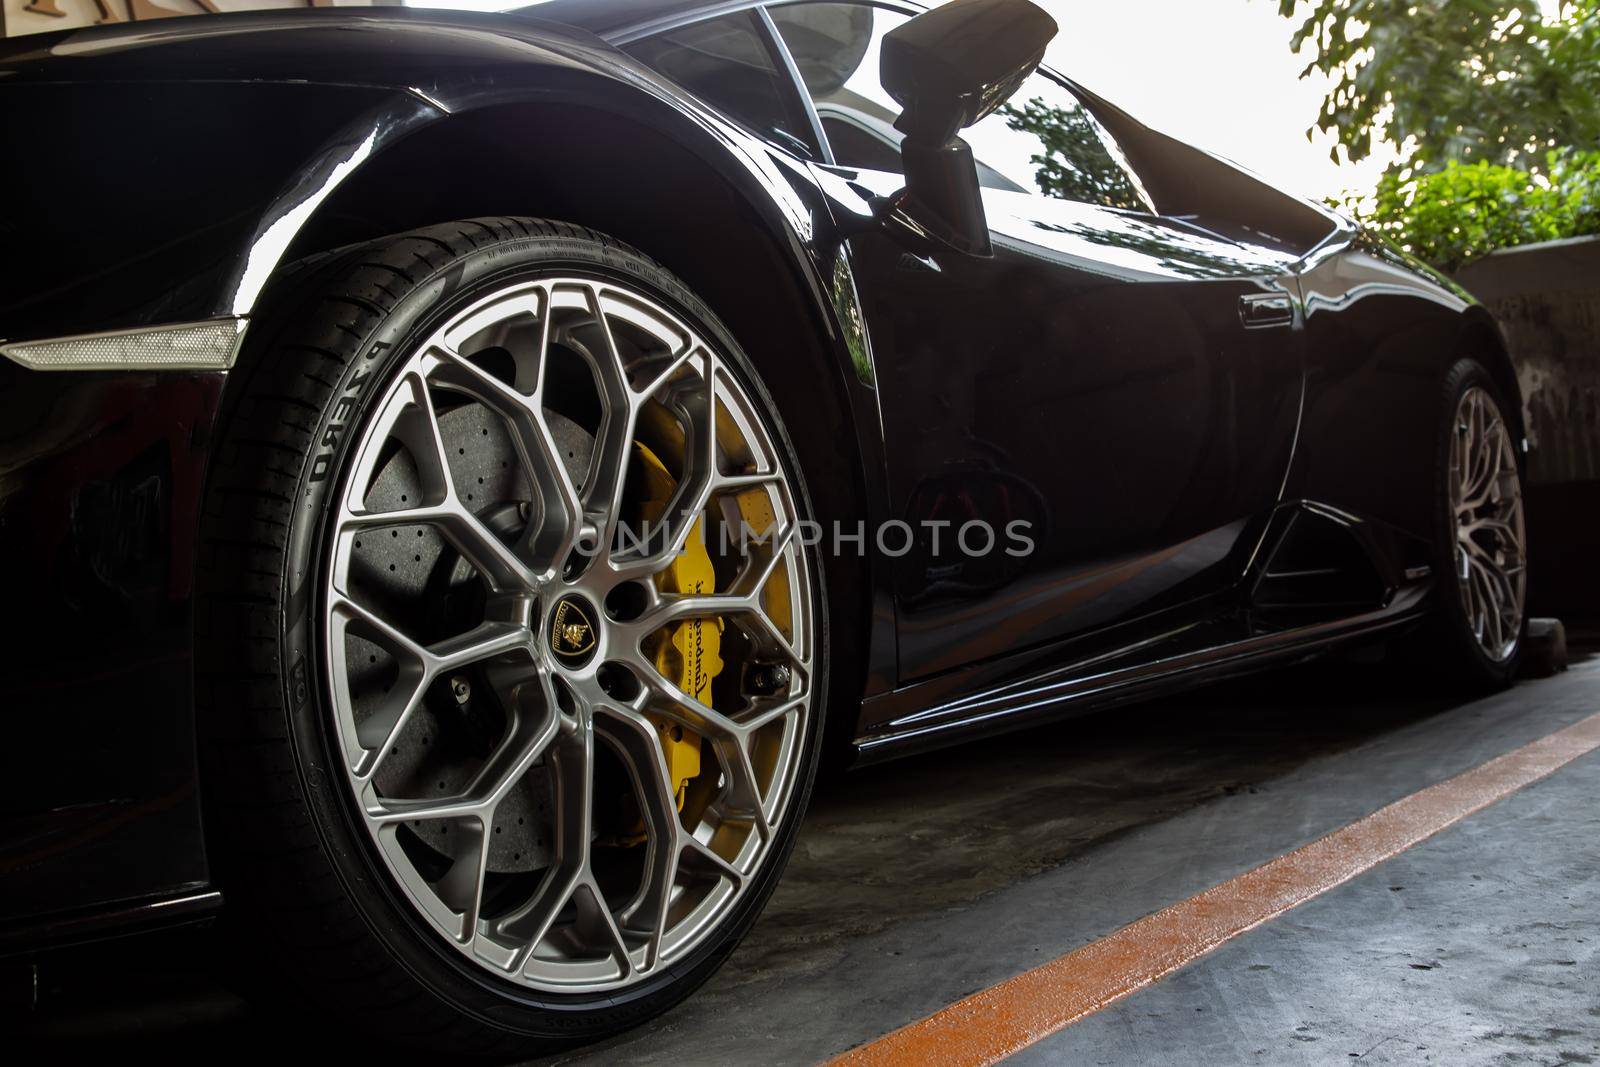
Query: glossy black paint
column 98, row 516
column 960, row 61
column 1096, row 350
column 948, row 68
column 1380, row 327
column 1161, row 395
column 187, row 227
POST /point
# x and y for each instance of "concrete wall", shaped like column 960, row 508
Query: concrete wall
column 1547, row 298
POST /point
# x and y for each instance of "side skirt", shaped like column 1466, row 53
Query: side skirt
column 1179, row 659
column 94, row 924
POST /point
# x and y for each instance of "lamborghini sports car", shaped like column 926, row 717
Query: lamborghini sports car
column 464, row 474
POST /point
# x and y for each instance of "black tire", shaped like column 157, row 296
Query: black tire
column 303, row 885
column 1448, row 642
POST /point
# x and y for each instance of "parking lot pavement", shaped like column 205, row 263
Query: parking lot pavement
column 918, row 882
column 1112, row 818
column 1481, row 945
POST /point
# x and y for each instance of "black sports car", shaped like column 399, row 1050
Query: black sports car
column 463, row 474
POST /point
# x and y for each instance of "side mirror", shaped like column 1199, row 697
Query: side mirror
column 948, row 68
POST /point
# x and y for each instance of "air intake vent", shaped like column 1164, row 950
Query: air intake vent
column 1318, row 567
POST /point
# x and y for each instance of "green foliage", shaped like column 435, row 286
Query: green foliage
column 1493, row 106
column 1466, row 211
column 1463, row 80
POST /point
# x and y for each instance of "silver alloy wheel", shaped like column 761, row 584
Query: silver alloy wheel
column 1486, row 501
column 510, row 653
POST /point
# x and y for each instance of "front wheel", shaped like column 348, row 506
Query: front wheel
column 1480, row 617
column 511, row 664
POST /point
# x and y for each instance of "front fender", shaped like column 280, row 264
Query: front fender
column 216, row 182
column 207, row 181
column 201, row 188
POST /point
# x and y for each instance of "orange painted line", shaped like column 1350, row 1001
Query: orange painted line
column 994, row 1023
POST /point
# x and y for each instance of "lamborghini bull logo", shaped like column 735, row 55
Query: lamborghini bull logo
column 572, row 635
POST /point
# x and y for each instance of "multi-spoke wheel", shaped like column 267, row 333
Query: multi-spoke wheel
column 549, row 643
column 1482, row 540
column 1486, row 498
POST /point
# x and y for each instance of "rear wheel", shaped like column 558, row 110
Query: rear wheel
column 515, row 665
column 1480, row 618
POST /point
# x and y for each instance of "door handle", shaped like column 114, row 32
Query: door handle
column 1259, row 310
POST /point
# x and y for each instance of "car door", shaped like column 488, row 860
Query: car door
column 1119, row 389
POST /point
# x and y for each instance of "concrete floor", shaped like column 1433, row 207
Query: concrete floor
column 1465, row 949
column 918, row 882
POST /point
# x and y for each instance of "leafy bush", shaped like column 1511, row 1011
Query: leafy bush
column 1492, row 105
column 1465, row 211
column 1469, row 80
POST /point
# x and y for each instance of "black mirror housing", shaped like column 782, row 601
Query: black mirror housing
column 954, row 65
column 948, row 68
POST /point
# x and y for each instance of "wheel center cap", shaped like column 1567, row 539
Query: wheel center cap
column 572, row 633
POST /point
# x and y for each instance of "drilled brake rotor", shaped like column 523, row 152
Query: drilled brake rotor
column 438, row 750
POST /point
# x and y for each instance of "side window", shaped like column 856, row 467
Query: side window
column 1043, row 136
column 1043, row 141
column 730, row 63
column 835, row 48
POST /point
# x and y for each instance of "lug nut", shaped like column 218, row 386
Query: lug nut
column 768, row 679
column 462, row 690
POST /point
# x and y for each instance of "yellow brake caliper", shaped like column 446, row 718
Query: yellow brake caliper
column 690, row 656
